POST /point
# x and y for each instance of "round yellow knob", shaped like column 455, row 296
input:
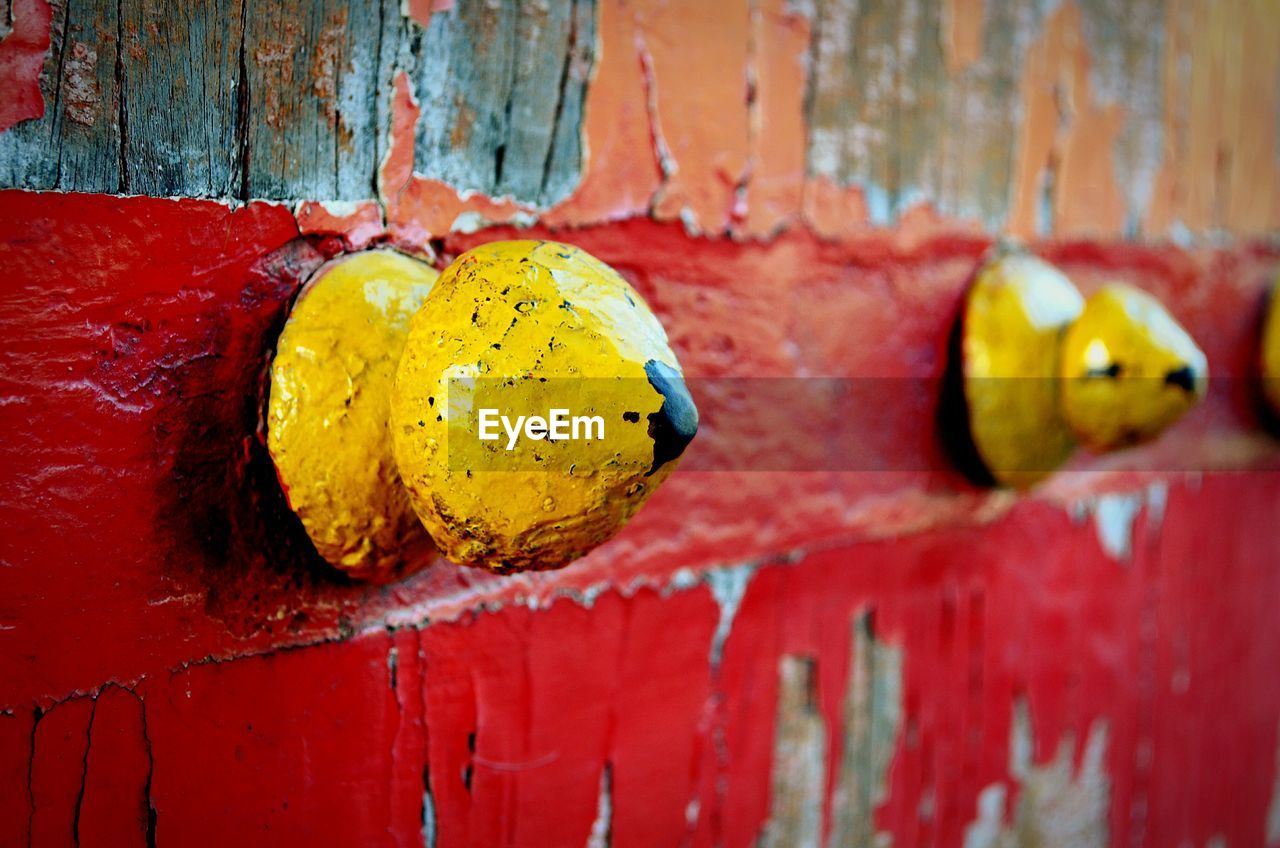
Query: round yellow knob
column 1043, row 369
column 1128, row 369
column 1015, row 314
column 551, row 351
column 329, row 409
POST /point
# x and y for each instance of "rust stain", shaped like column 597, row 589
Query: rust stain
column 81, row 93
column 276, row 59
column 620, row 165
column 325, row 63
column 775, row 188
column 962, row 40
column 1065, row 146
column 1220, row 168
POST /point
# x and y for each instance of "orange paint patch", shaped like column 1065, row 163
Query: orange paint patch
column 1065, row 143
column 779, row 142
column 1222, row 95
column 420, row 11
column 419, row 209
column 620, row 164
column 698, row 59
column 359, row 224
column 962, row 43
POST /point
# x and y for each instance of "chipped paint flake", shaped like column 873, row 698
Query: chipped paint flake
column 873, row 717
column 1113, row 518
column 728, row 585
column 1058, row 802
column 1273, row 810
column 602, row 827
column 799, row 759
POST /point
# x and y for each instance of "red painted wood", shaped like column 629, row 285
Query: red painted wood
column 162, row 612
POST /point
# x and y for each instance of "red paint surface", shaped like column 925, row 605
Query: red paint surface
column 153, row 579
column 328, row 744
column 22, row 54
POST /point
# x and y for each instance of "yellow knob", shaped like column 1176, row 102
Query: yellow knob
column 1271, row 351
column 1128, row 369
column 328, row 411
column 522, row 333
column 1044, row 369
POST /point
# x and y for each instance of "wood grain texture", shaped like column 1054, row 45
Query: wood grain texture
column 292, row 99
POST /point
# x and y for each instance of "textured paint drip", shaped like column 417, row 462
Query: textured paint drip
column 330, row 406
column 534, row 326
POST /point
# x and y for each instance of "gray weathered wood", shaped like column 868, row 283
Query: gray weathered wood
column 291, row 99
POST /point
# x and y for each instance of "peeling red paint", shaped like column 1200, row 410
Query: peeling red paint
column 620, row 163
column 419, row 209
column 503, row 722
column 775, row 183
column 707, row 158
column 22, row 54
column 172, row 522
column 834, row 211
column 358, row 224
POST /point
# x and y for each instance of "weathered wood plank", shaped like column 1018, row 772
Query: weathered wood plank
column 502, row 92
column 291, row 99
column 182, row 94
column 76, row 145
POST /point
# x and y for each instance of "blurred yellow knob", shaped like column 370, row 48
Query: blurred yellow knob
column 1044, row 369
column 1128, row 369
